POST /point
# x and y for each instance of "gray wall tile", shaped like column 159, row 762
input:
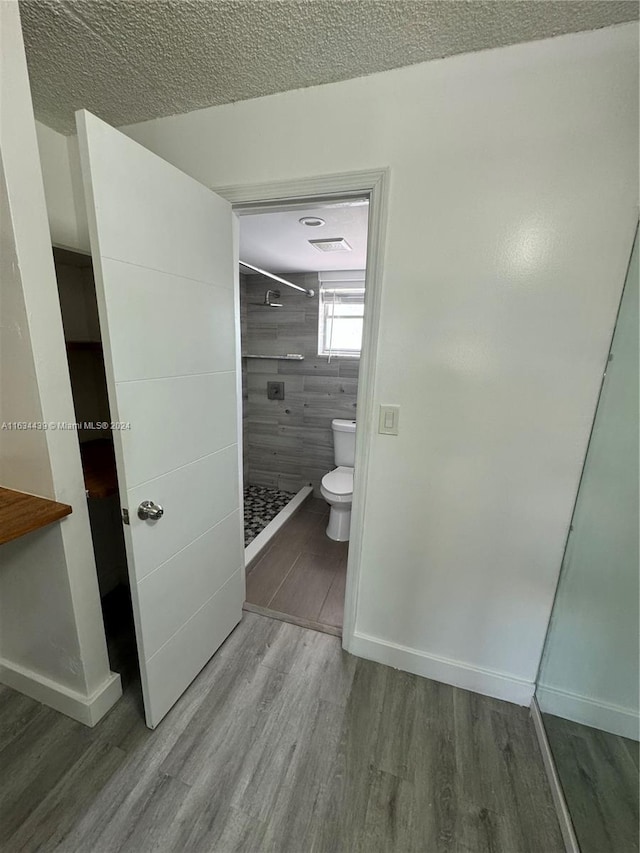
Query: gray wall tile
column 288, row 443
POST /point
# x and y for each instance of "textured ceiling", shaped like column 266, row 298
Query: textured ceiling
column 130, row 60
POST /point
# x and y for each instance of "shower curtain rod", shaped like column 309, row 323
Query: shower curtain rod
column 306, row 291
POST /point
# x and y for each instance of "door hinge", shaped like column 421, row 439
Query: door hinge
column 125, row 516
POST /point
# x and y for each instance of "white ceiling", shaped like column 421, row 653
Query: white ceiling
column 131, row 60
column 279, row 243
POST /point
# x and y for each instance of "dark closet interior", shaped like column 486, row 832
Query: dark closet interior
column 78, row 304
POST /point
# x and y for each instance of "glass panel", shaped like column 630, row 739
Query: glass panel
column 347, row 335
column 342, row 312
column 588, row 683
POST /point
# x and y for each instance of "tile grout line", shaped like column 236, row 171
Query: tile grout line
column 298, row 555
column 324, row 600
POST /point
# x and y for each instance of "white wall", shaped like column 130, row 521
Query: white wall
column 63, row 189
column 591, row 668
column 513, row 194
column 52, row 643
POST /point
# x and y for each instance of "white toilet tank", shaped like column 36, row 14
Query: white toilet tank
column 344, row 442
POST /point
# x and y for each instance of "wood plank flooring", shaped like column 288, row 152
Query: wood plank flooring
column 283, row 744
column 599, row 776
column 302, row 572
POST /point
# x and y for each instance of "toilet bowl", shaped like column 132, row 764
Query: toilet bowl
column 337, row 490
column 337, row 486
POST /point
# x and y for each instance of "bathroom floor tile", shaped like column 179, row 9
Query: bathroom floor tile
column 304, row 590
column 317, row 505
column 298, row 530
column 266, row 576
column 333, row 608
column 301, row 573
column 319, row 543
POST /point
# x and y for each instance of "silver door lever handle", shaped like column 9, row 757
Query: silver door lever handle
column 149, row 510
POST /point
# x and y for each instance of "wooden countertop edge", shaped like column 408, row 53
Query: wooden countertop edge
column 22, row 513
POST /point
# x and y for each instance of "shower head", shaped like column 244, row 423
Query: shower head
column 275, row 294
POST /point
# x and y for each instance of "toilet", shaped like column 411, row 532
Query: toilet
column 337, row 486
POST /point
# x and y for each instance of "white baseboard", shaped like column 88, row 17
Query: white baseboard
column 562, row 811
column 86, row 709
column 256, row 545
column 589, row 712
column 456, row 673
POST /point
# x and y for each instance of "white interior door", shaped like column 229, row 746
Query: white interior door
column 163, row 251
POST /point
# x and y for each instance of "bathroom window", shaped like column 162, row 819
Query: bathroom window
column 341, row 313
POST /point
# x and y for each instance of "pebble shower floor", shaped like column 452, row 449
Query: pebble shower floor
column 261, row 505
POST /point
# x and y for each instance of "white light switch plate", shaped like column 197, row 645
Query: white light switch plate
column 388, row 420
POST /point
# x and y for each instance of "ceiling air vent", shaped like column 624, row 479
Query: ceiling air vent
column 332, row 244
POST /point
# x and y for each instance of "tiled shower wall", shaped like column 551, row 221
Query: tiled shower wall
column 245, row 413
column 288, row 443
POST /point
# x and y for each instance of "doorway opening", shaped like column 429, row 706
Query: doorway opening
column 79, row 309
column 302, row 303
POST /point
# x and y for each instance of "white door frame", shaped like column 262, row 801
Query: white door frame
column 374, row 185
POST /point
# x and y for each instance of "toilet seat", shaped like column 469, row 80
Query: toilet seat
column 339, row 483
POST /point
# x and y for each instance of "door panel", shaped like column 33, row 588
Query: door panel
column 187, row 491
column 163, row 254
column 166, row 221
column 199, row 581
column 136, row 289
column 188, row 650
column 188, row 419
